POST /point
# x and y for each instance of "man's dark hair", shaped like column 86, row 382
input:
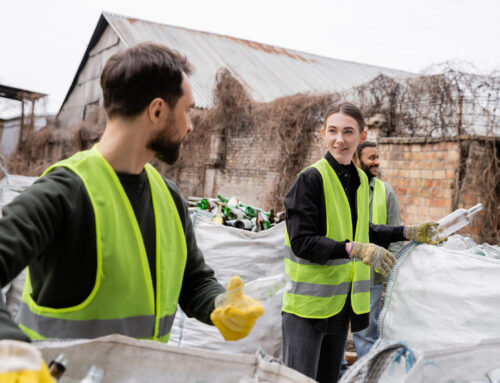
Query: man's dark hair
column 366, row 144
column 132, row 78
column 350, row 110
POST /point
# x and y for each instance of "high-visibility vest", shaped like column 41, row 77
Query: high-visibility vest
column 379, row 203
column 320, row 291
column 122, row 300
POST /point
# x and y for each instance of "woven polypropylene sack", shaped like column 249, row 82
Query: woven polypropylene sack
column 457, row 364
column 250, row 255
column 440, row 298
column 127, row 360
column 10, row 187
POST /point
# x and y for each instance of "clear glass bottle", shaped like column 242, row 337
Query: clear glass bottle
column 94, row 374
column 58, row 366
column 219, row 217
column 455, row 221
column 260, row 289
column 261, row 221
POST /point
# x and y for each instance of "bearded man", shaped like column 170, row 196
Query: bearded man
column 108, row 241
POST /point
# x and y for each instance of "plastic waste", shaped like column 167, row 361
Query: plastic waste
column 455, row 221
column 458, row 242
column 488, row 250
column 261, row 289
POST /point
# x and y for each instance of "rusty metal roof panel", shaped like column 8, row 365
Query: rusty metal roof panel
column 266, row 71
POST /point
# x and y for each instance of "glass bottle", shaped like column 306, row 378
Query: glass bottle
column 219, row 218
column 233, row 202
column 222, row 198
column 94, row 374
column 233, row 213
column 250, row 211
column 281, row 216
column 243, row 224
column 261, row 289
column 58, row 366
column 203, row 204
column 272, row 217
column 261, row 221
column 455, row 221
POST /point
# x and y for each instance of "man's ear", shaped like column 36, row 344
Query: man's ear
column 156, row 108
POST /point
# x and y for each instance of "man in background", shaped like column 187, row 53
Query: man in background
column 384, row 210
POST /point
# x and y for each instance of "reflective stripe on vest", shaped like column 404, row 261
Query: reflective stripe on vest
column 320, row 291
column 122, row 299
column 136, row 327
column 379, row 203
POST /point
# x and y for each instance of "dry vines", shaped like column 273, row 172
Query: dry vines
column 450, row 103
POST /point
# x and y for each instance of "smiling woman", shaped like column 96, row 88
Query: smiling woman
column 343, row 131
column 327, row 256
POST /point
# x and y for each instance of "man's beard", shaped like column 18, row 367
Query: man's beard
column 165, row 149
column 367, row 171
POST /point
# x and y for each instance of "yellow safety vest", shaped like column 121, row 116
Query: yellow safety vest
column 122, row 300
column 379, row 203
column 320, row 291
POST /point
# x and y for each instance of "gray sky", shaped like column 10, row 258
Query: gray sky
column 42, row 42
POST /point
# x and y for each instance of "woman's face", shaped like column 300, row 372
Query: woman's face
column 342, row 136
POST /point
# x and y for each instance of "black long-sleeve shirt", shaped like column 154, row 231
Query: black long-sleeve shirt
column 51, row 228
column 306, row 220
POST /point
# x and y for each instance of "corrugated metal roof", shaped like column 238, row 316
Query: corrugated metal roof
column 266, row 71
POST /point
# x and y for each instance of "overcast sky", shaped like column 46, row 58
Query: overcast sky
column 43, row 41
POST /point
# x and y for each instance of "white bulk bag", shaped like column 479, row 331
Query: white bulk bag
column 128, row 360
column 250, row 255
column 438, row 298
column 457, row 364
column 10, row 187
column 440, row 320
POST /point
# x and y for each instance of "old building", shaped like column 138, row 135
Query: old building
column 267, row 72
column 14, row 129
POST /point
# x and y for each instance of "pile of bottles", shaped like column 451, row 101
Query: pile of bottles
column 58, row 366
column 233, row 212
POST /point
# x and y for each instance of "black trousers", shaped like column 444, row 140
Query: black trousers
column 315, row 347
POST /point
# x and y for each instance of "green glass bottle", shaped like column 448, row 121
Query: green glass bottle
column 203, row 204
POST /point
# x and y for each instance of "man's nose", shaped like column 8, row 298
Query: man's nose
column 189, row 125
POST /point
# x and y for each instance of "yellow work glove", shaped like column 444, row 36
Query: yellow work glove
column 374, row 256
column 238, row 313
column 426, row 232
column 22, row 362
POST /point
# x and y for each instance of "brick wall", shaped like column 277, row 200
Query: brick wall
column 241, row 164
column 422, row 171
column 424, row 174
